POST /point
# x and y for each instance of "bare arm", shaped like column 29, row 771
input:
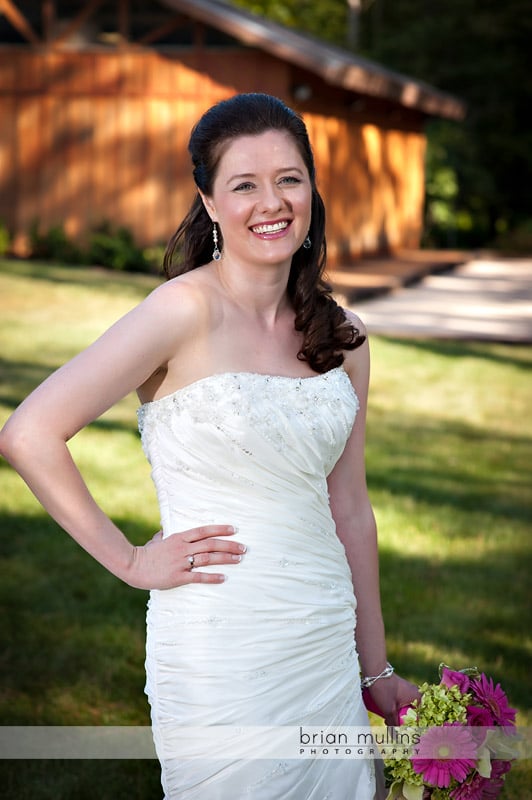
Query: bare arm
column 356, row 528
column 35, row 438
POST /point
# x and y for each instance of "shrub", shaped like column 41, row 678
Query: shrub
column 54, row 245
column 116, row 249
column 107, row 246
column 517, row 241
column 5, row 238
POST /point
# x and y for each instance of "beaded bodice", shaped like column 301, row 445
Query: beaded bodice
column 250, row 428
column 254, row 451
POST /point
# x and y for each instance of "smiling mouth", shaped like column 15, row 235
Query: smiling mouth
column 274, row 227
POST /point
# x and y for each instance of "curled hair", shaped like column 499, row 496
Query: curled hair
column 326, row 331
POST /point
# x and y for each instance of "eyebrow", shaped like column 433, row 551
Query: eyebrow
column 246, row 175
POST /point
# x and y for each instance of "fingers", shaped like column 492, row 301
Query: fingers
column 204, row 559
column 184, row 552
column 213, row 546
column 208, row 531
column 207, row 549
column 206, row 577
column 208, row 552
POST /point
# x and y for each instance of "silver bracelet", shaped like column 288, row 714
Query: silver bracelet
column 371, row 679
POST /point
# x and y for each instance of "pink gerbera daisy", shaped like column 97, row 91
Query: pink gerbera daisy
column 472, row 789
column 494, row 699
column 445, row 753
column 494, row 784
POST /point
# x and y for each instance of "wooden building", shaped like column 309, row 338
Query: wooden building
column 97, row 99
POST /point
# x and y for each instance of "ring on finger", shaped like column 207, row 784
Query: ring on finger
column 191, row 560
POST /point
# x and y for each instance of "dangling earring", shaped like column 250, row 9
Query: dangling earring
column 307, row 244
column 216, row 255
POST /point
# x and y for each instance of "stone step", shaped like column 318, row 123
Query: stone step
column 373, row 276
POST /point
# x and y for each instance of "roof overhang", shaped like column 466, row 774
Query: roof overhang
column 335, row 66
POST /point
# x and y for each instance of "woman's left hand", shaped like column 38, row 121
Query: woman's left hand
column 392, row 694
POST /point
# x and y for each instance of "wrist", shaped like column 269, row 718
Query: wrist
column 367, row 681
column 127, row 570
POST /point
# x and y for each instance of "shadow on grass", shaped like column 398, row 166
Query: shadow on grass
column 451, row 348
column 72, row 634
column 80, row 780
column 73, row 631
column 92, row 277
column 450, row 465
column 473, row 605
column 20, row 378
column 73, row 646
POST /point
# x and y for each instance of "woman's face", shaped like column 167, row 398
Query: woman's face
column 261, row 198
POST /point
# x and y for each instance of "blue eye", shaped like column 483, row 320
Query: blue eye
column 290, row 179
column 243, row 187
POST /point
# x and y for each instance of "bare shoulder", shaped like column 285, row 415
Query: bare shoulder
column 355, row 321
column 356, row 362
column 183, row 303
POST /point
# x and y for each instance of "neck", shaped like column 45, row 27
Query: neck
column 260, row 290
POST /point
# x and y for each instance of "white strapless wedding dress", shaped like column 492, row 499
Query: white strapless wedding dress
column 274, row 644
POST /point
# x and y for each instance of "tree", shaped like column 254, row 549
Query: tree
column 479, row 171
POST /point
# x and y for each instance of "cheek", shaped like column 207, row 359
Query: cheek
column 233, row 211
column 306, row 205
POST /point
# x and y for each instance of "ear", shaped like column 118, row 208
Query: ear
column 209, row 206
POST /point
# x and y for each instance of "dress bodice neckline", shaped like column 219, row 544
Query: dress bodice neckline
column 268, row 377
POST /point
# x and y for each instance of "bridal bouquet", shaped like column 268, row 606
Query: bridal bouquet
column 464, row 742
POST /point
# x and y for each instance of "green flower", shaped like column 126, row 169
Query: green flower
column 438, row 704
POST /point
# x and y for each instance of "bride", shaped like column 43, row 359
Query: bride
column 264, row 591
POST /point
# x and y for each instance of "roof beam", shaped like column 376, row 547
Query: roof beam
column 171, row 25
column 335, row 66
column 123, row 21
column 19, row 21
column 77, row 22
column 48, row 18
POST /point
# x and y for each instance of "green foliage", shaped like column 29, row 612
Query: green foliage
column 115, row 248
column 476, row 51
column 326, row 19
column 107, row 246
column 517, row 241
column 5, row 238
column 53, row 244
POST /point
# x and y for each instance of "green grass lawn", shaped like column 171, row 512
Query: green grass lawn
column 449, row 469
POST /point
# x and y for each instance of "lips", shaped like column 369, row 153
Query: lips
column 271, row 227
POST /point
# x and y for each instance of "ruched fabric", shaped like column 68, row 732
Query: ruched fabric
column 274, row 644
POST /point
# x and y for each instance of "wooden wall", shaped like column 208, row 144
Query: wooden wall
column 93, row 136
column 372, row 179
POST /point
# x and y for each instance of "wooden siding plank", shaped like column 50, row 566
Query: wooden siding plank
column 135, row 166
column 79, row 156
column 31, row 72
column 107, row 74
column 99, row 136
column 27, row 163
column 8, row 162
column 8, row 74
column 104, row 166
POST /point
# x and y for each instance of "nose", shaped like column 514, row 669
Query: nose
column 271, row 198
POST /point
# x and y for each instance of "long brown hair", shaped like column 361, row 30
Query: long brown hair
column 326, row 331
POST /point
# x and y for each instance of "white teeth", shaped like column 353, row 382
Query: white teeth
column 277, row 226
